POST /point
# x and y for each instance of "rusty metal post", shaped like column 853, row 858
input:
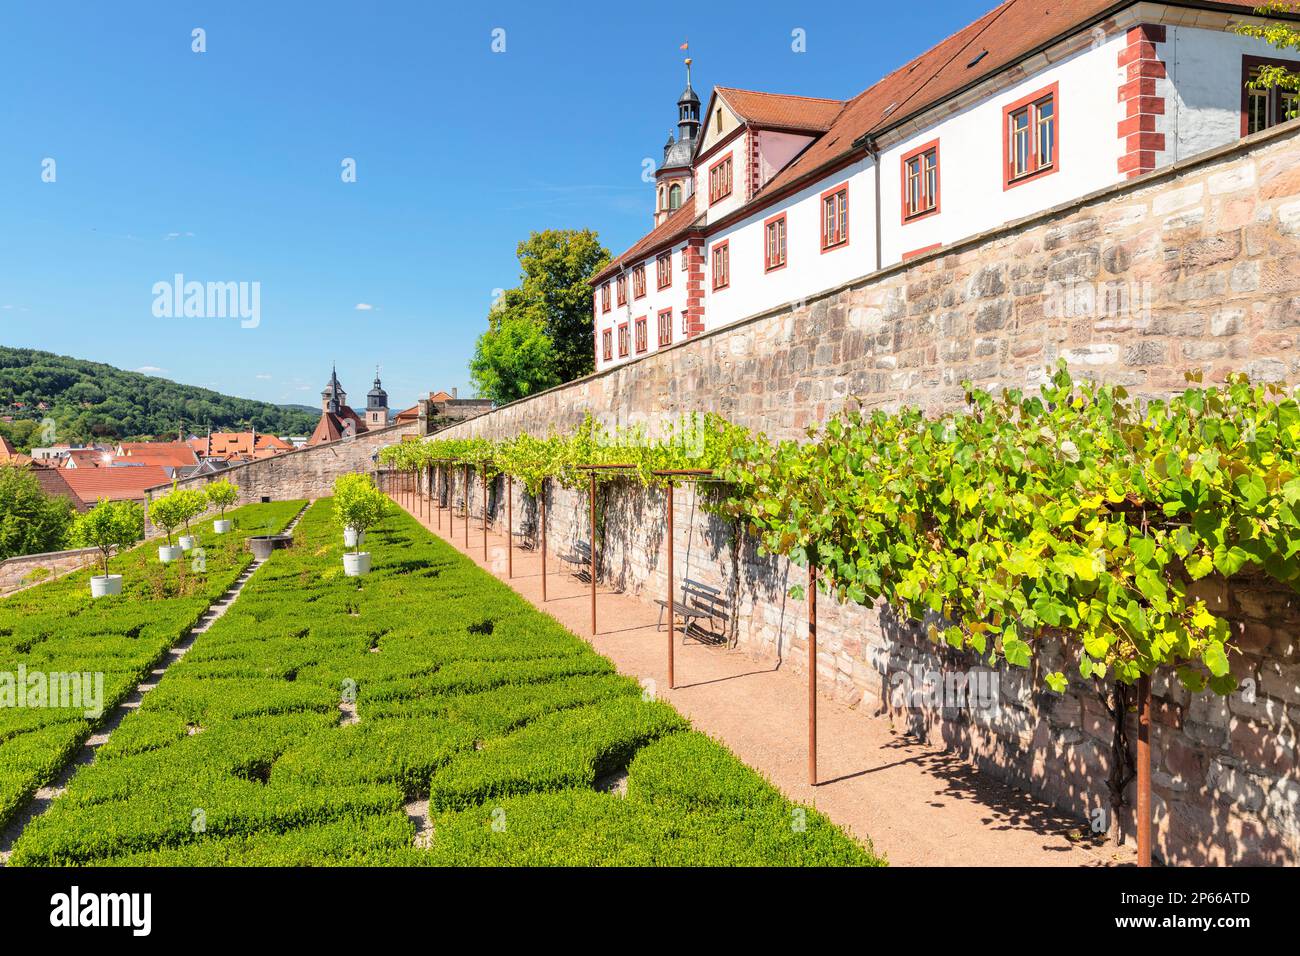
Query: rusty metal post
column 437, row 485
column 1142, row 823
column 451, row 504
column 671, row 590
column 542, row 499
column 467, row 488
column 510, row 527
column 591, row 495
column 485, row 516
column 812, row 674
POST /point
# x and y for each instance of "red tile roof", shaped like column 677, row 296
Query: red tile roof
column 665, row 234
column 781, row 111
column 115, row 484
column 177, row 454
column 87, row 458
column 225, row 444
column 53, row 483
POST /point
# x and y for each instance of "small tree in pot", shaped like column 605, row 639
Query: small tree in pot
column 345, row 485
column 193, row 503
column 221, row 495
column 168, row 513
column 108, row 525
column 358, row 505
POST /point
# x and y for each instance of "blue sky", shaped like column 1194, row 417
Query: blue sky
column 225, row 165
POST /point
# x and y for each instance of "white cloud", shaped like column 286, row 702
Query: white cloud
column 150, row 369
column 178, row 235
column 363, row 307
column 264, row 376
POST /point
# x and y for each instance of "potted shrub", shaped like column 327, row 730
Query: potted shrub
column 221, row 495
column 352, row 537
column 108, row 525
column 193, row 503
column 359, row 506
column 168, row 513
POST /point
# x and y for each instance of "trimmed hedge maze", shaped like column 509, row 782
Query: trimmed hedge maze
column 57, row 628
column 301, row 727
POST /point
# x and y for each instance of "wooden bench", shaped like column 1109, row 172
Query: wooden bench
column 699, row 601
column 579, row 559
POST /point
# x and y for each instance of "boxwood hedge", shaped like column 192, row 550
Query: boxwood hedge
column 303, row 724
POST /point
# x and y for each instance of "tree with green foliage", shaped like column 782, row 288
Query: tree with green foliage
column 168, row 513
column 540, row 332
column 222, row 494
column 31, row 522
column 1282, row 36
column 109, row 525
column 358, row 504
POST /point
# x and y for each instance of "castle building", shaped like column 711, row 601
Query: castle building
column 766, row 199
column 338, row 420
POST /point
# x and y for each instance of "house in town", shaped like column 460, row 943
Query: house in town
column 764, row 199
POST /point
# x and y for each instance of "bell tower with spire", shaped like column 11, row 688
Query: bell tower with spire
column 332, row 396
column 376, row 405
column 674, row 182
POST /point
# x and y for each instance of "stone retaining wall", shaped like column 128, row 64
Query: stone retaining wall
column 1194, row 267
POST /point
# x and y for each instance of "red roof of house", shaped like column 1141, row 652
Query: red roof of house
column 87, row 458
column 53, row 483
column 177, row 454
column 115, row 484
column 780, row 111
column 225, row 444
column 665, row 234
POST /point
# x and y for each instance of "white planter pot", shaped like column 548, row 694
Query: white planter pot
column 221, row 525
column 168, row 553
column 104, row 585
column 187, row 542
column 356, row 563
column 351, row 538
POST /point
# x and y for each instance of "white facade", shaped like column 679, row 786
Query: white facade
column 1187, row 98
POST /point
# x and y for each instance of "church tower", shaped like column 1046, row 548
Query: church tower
column 332, row 397
column 674, row 183
column 376, row 405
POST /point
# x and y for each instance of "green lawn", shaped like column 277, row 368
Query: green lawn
column 58, row 628
column 467, row 696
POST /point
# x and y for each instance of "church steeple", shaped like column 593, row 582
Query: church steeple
column 376, row 404
column 332, row 396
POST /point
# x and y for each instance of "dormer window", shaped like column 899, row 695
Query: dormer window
column 675, row 196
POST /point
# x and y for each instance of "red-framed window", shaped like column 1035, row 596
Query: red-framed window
column 607, row 344
column 638, row 282
column 620, row 286
column 721, row 264
column 604, row 297
column 686, row 258
column 921, row 182
column 665, row 327
column 622, row 340
column 642, row 335
column 1031, row 137
column 835, row 217
column 664, row 270
column 720, row 179
column 774, row 243
column 1261, row 109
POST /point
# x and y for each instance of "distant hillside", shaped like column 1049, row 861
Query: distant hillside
column 90, row 400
